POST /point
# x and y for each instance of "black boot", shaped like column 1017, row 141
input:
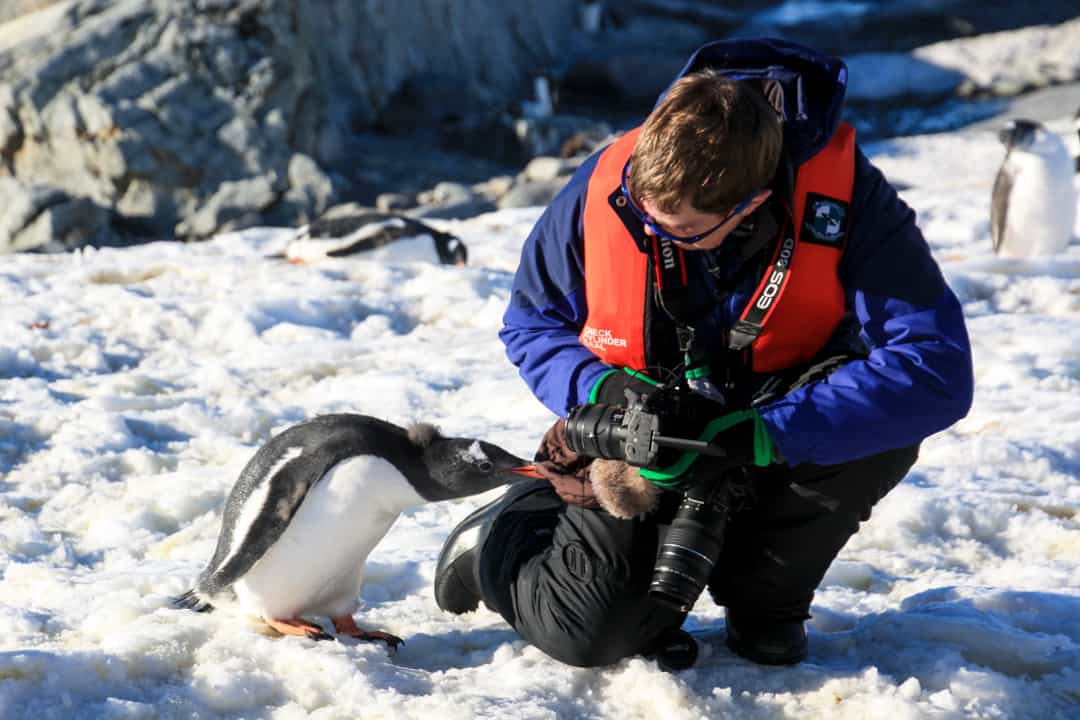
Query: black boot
column 457, row 575
column 765, row 640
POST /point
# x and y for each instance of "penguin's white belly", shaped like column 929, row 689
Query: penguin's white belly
column 316, row 567
column 1042, row 207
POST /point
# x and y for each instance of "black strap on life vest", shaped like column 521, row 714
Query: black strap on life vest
column 674, row 299
column 673, row 288
column 747, row 329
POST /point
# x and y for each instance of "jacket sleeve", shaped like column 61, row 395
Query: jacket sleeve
column 547, row 305
column 917, row 379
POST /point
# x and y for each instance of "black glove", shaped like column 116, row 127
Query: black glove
column 611, row 388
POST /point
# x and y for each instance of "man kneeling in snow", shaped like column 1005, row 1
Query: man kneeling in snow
column 740, row 243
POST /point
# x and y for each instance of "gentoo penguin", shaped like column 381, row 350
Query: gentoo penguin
column 380, row 236
column 1033, row 208
column 312, row 503
column 545, row 97
column 1076, row 122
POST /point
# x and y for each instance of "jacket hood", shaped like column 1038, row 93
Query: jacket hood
column 811, row 85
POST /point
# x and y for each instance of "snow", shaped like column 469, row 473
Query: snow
column 135, row 383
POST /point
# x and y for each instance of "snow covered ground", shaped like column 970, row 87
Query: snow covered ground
column 135, row 383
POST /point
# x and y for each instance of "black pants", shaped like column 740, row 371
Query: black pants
column 574, row 582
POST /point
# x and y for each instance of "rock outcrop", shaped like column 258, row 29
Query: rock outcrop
column 189, row 118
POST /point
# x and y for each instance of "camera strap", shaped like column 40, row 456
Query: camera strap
column 673, row 296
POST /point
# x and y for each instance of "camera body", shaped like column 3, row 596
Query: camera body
column 634, row 434
column 646, row 434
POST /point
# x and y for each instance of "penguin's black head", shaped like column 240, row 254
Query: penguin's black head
column 450, row 249
column 1019, row 133
column 464, row 466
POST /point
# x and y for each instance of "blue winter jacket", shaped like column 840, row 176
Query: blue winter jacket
column 917, row 377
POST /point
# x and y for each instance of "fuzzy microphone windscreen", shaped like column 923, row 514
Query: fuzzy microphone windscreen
column 621, row 490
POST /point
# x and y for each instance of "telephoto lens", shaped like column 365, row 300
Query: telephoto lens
column 596, row 431
column 692, row 546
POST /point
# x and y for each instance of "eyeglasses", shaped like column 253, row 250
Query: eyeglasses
column 649, row 222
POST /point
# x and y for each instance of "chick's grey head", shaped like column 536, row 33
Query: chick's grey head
column 464, row 466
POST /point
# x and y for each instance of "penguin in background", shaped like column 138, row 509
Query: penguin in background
column 1033, row 206
column 313, row 502
column 378, row 236
column 1076, row 124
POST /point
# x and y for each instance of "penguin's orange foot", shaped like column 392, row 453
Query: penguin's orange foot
column 347, row 626
column 300, row 628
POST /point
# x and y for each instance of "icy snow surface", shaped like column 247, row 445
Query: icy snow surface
column 135, row 383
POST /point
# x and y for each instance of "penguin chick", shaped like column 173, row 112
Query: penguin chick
column 314, row 501
column 1033, row 208
column 380, row 236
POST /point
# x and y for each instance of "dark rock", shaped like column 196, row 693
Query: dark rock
column 200, row 117
column 447, row 193
column 455, row 211
column 489, row 135
column 895, row 78
column 532, row 194
column 898, row 25
column 546, row 168
column 45, row 218
column 11, row 9
column 632, row 78
column 715, row 20
column 387, row 202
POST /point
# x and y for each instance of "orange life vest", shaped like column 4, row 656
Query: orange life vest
column 798, row 302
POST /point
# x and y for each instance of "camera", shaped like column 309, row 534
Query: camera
column 635, row 433
column 646, row 434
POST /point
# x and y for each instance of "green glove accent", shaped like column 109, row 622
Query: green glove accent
column 594, row 394
column 764, row 452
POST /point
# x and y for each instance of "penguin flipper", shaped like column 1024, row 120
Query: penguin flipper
column 191, row 600
column 289, row 481
column 999, row 206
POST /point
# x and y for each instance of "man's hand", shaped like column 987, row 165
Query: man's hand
column 567, row 471
column 611, row 388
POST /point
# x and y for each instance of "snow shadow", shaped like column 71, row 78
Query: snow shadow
column 391, row 581
column 18, row 441
column 1015, row 633
column 454, row 649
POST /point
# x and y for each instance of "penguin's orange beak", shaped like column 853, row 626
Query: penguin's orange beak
column 527, row 471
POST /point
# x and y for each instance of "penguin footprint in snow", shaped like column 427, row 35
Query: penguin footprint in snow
column 314, row 501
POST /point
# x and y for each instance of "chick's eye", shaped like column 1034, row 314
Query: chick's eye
column 485, row 466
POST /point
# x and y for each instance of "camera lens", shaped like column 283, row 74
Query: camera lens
column 596, row 431
column 689, row 551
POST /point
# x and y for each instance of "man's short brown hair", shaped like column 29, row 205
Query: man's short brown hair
column 711, row 141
